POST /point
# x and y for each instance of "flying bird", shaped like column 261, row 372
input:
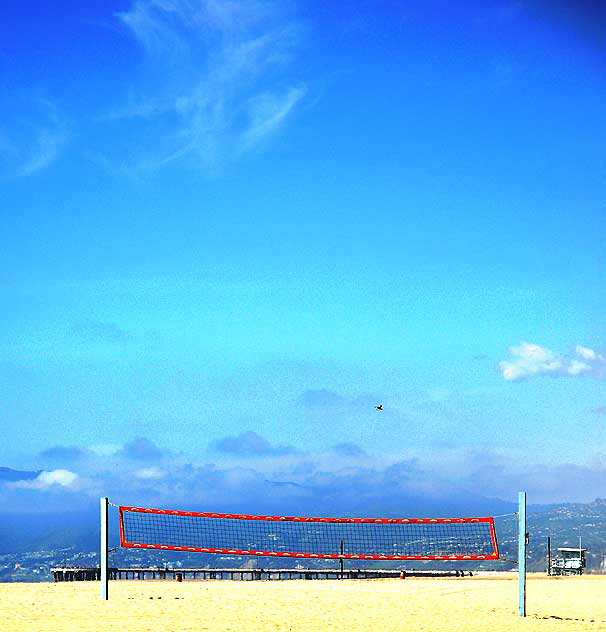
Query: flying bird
column 379, row 407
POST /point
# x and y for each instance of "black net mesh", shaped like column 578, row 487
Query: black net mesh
column 303, row 537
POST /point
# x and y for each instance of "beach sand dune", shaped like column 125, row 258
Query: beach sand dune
column 436, row 605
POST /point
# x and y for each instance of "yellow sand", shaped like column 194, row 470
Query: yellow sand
column 469, row 604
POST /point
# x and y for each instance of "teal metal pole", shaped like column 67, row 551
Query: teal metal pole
column 522, row 543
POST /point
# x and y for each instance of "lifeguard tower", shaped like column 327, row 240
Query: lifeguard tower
column 570, row 561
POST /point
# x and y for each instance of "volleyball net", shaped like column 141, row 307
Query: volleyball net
column 304, row 537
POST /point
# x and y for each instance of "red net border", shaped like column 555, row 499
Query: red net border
column 191, row 549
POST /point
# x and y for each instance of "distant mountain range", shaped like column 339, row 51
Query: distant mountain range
column 26, row 533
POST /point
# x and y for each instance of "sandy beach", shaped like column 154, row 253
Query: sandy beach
column 470, row 604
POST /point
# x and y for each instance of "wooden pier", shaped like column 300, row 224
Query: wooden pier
column 67, row 574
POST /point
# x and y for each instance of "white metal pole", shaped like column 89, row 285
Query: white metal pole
column 522, row 543
column 104, row 548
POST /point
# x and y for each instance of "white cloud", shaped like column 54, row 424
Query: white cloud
column 531, row 359
column 211, row 86
column 342, row 480
column 575, row 367
column 586, row 353
column 106, row 449
column 149, row 473
column 48, row 479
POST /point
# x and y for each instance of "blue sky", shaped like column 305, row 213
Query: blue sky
column 231, row 229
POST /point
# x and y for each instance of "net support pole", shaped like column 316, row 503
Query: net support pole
column 104, row 547
column 522, row 544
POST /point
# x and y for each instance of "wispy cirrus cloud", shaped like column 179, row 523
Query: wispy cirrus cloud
column 213, row 82
column 267, row 112
column 529, row 360
column 34, row 142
